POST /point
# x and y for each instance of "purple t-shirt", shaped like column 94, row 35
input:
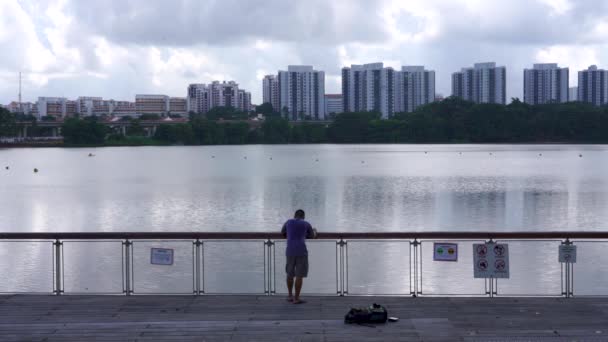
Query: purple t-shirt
column 297, row 231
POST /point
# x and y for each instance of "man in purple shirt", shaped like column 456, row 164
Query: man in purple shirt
column 297, row 230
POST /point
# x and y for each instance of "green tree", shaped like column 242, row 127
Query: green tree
column 226, row 113
column 275, row 131
column 266, row 109
column 149, row 117
column 351, row 127
column 83, row 132
column 135, row 128
column 8, row 123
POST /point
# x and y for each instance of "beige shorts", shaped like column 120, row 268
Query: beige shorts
column 297, row 266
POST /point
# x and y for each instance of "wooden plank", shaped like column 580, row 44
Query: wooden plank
column 263, row 318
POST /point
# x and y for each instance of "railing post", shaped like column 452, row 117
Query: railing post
column 198, row 271
column 269, row 269
column 415, row 276
column 128, row 245
column 341, row 272
column 568, row 275
column 58, row 262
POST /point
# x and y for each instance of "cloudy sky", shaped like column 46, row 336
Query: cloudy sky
column 119, row 48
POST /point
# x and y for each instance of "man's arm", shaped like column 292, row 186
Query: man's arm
column 284, row 230
column 311, row 233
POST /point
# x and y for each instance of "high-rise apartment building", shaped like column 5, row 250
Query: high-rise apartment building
column 415, row 87
column 202, row 97
column 224, row 94
column 123, row 108
column 270, row 90
column 89, row 105
column 593, row 86
column 483, row 83
column 573, row 94
column 369, row 87
column 199, row 98
column 244, row 100
column 178, row 106
column 152, row 104
column 71, row 108
column 51, row 106
column 302, row 93
column 333, row 104
column 546, row 83
column 23, row 107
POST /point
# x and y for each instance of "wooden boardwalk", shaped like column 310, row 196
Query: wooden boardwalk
column 262, row 318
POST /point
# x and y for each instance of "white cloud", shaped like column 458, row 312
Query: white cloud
column 116, row 49
column 575, row 57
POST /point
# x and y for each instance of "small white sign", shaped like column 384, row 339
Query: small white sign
column 567, row 253
column 491, row 260
column 161, row 256
column 445, row 251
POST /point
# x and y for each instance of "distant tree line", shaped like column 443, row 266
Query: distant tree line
column 450, row 121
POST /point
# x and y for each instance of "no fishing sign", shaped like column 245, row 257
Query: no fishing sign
column 491, row 260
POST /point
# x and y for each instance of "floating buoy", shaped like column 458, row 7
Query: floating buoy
column 425, row 152
column 540, row 154
column 35, row 170
column 91, row 155
column 316, row 160
column 244, row 157
column 270, row 158
column 580, row 155
column 212, row 156
column 6, row 167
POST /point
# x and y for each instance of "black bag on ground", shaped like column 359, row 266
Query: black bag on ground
column 373, row 314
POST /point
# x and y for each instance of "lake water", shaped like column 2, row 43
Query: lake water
column 341, row 188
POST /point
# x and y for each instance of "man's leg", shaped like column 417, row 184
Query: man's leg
column 290, row 286
column 301, row 273
column 299, row 281
column 290, row 268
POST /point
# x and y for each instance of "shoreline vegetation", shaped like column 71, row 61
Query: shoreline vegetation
column 451, row 121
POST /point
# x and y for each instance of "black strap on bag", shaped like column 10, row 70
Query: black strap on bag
column 374, row 314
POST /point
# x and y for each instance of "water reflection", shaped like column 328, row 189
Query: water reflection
column 398, row 188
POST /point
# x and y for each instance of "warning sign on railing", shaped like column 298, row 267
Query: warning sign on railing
column 161, row 256
column 567, row 253
column 445, row 251
column 491, row 260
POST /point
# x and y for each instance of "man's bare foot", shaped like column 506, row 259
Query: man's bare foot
column 299, row 301
column 290, row 299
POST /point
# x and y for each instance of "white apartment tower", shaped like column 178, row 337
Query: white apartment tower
column 51, row 106
column 244, row 100
column 593, row 86
column 302, row 93
column 333, row 104
column 483, row 83
column 546, row 83
column 198, row 98
column 270, row 86
column 202, row 97
column 369, row 87
column 415, row 87
column 224, row 94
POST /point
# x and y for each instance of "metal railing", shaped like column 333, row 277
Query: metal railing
column 410, row 243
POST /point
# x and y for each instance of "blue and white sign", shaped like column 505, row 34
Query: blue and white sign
column 567, row 253
column 161, row 256
column 444, row 251
column 491, row 260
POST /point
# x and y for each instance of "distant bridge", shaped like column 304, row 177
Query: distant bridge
column 149, row 126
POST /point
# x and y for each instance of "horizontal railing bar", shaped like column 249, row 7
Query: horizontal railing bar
column 324, row 235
